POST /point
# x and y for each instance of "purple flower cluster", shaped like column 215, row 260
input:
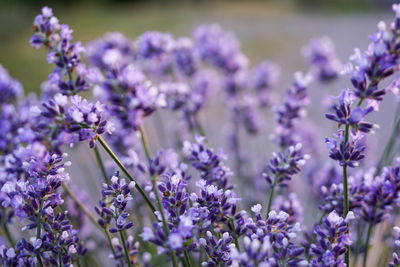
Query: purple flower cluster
column 210, row 164
column 331, row 241
column 295, row 99
column 190, row 208
column 70, row 120
column 283, row 166
column 324, row 64
column 10, row 88
column 64, row 54
column 114, row 203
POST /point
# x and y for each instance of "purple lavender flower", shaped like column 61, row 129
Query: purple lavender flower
column 132, row 247
column 381, row 195
column 331, row 241
column 262, row 78
column 295, row 99
column 153, row 44
column 291, row 206
column 210, row 164
column 324, row 64
column 276, row 237
column 112, row 50
column 174, row 196
column 10, row 89
column 114, row 203
column 396, row 256
column 218, row 250
column 73, row 119
column 284, row 165
column 130, row 94
column 376, row 63
column 183, row 53
column 219, row 48
column 344, row 114
column 64, row 54
column 348, row 153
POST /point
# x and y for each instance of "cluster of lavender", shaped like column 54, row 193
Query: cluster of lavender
column 189, row 208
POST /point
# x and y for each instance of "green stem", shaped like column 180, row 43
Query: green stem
column 122, row 167
column 81, row 206
column 144, row 144
column 367, row 244
column 271, row 197
column 59, row 259
column 7, row 231
column 125, row 249
column 385, row 158
column 38, row 230
column 234, row 231
column 346, row 194
column 155, row 189
column 101, row 165
column 89, row 215
column 187, row 258
column 110, row 242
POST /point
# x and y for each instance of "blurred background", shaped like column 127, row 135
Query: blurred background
column 273, row 30
column 267, row 30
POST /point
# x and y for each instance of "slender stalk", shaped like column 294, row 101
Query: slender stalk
column 89, row 215
column 122, row 167
column 385, row 158
column 59, row 259
column 81, row 206
column 125, row 249
column 234, row 231
column 367, row 244
column 187, row 258
column 144, row 144
column 346, row 193
column 110, row 243
column 38, row 230
column 158, row 200
column 101, row 165
column 7, row 231
column 271, row 198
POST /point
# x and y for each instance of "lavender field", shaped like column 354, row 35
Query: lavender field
column 212, row 135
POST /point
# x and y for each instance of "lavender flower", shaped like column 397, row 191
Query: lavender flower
column 295, row 100
column 284, row 165
column 112, row 50
column 130, row 94
column 207, row 162
column 113, row 205
column 324, row 64
column 10, row 89
column 64, row 54
column 331, row 241
column 381, row 195
column 73, row 119
column 348, row 153
column 219, row 48
column 345, row 115
column 291, row 206
column 183, row 53
column 262, row 78
column 218, row 250
column 395, row 256
column 276, row 238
